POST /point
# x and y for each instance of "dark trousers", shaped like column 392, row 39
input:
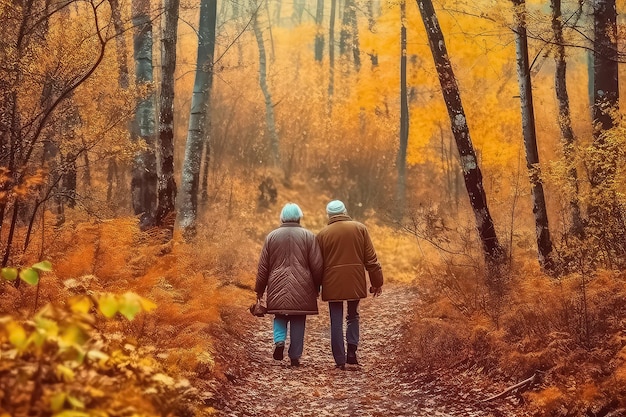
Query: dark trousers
column 336, row 328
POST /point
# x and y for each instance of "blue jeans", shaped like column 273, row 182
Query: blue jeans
column 336, row 328
column 296, row 333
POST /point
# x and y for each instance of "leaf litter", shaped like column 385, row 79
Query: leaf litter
column 379, row 386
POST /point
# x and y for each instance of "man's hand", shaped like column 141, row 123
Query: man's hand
column 376, row 291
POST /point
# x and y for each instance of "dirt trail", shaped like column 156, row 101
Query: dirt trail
column 376, row 388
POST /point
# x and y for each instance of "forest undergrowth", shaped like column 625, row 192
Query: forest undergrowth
column 179, row 358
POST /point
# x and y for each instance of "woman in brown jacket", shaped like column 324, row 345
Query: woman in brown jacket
column 290, row 269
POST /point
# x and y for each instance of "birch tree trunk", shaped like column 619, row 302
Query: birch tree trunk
column 197, row 118
column 144, row 178
column 269, row 105
column 319, row 35
column 404, row 114
column 166, row 185
column 471, row 171
column 544, row 243
column 564, row 119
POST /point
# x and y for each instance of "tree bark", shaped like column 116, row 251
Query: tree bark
column 544, row 243
column 605, row 216
column 269, row 105
column 198, row 117
column 349, row 35
column 166, row 185
column 144, row 178
column 471, row 171
column 331, row 55
column 404, row 115
column 120, row 43
column 564, row 120
column 605, row 90
column 319, row 35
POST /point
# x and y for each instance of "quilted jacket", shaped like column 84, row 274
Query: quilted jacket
column 290, row 268
column 348, row 252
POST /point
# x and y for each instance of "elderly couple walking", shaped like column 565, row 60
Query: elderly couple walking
column 294, row 264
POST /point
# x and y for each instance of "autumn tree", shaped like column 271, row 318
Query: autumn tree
column 270, row 121
column 404, row 110
column 564, row 116
column 605, row 217
column 469, row 164
column 144, row 178
column 319, row 34
column 55, row 64
column 544, row 243
column 166, row 186
column 198, row 116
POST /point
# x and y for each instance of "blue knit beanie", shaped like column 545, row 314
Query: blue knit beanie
column 335, row 207
column 291, row 213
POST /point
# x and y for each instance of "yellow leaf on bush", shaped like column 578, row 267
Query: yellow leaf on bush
column 108, row 305
column 17, row 334
column 130, row 305
column 65, row 373
column 57, row 401
column 80, row 304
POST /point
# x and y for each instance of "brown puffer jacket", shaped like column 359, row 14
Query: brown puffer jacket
column 291, row 268
column 348, row 252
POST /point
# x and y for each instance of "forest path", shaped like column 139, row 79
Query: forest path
column 378, row 387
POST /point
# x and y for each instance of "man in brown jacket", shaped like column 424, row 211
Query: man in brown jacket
column 348, row 252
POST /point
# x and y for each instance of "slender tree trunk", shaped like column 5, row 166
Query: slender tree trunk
column 120, row 44
column 269, row 105
column 331, row 55
column 166, row 186
column 298, row 11
column 605, row 214
column 544, row 243
column 371, row 20
column 603, row 161
column 197, row 119
column 205, row 172
column 471, row 171
column 564, row 120
column 269, row 29
column 144, row 178
column 319, row 35
column 404, row 114
column 349, row 35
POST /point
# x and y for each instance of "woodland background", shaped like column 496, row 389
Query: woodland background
column 146, row 149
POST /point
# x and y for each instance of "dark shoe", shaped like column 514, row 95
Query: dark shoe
column 295, row 362
column 342, row 367
column 351, row 357
column 278, row 351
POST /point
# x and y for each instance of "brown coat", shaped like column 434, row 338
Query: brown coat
column 348, row 252
column 290, row 268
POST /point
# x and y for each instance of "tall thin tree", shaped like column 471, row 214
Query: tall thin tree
column 166, row 185
column 331, row 54
column 144, row 178
column 471, row 171
column 564, row 117
column 200, row 99
column 404, row 113
column 544, row 243
column 269, row 105
column 319, row 34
